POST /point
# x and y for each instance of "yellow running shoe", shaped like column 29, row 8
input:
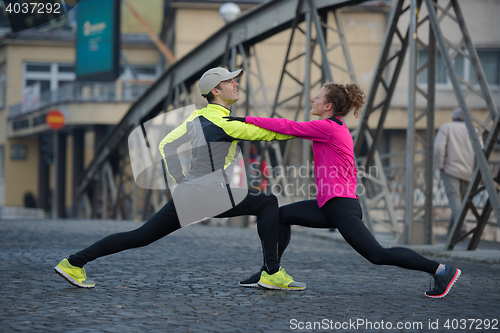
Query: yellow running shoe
column 280, row 280
column 74, row 275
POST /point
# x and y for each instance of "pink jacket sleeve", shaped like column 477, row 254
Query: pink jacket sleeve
column 316, row 130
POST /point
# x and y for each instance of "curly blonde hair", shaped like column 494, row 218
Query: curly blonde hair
column 345, row 98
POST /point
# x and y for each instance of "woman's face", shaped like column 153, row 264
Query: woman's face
column 320, row 107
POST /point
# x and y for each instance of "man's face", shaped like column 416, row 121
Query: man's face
column 228, row 91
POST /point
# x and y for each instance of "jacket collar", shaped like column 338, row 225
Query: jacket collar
column 337, row 120
column 219, row 108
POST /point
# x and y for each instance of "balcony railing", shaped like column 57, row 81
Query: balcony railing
column 92, row 92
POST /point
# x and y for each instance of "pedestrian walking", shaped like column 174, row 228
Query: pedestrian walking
column 214, row 146
column 455, row 158
column 336, row 204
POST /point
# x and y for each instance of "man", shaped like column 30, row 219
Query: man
column 454, row 156
column 214, row 142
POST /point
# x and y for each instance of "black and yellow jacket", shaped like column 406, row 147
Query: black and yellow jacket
column 213, row 140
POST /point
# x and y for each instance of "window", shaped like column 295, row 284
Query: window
column 66, row 68
column 49, row 75
column 3, row 85
column 132, row 91
column 38, row 68
column 441, row 72
column 490, row 62
column 44, row 84
column 143, row 72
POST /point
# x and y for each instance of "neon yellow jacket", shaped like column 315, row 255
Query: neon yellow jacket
column 213, row 140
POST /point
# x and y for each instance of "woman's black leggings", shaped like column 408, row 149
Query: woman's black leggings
column 345, row 215
column 166, row 221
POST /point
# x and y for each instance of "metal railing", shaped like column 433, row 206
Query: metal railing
column 396, row 178
column 92, row 92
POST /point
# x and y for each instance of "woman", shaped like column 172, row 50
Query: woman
column 336, row 204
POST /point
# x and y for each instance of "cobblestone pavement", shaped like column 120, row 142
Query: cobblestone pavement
column 187, row 282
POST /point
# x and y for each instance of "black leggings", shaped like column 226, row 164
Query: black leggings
column 166, row 221
column 345, row 215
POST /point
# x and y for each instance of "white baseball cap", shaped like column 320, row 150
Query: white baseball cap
column 211, row 78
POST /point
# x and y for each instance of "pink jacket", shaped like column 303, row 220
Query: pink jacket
column 333, row 153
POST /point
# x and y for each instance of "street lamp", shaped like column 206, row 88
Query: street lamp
column 229, row 11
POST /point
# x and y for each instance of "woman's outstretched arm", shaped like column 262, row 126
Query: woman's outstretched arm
column 315, row 130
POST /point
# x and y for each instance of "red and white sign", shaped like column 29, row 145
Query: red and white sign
column 55, row 119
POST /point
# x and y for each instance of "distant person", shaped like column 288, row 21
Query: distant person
column 454, row 156
column 259, row 172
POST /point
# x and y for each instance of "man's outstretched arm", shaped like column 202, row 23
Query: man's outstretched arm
column 242, row 131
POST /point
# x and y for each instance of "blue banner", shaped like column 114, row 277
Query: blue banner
column 97, row 42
